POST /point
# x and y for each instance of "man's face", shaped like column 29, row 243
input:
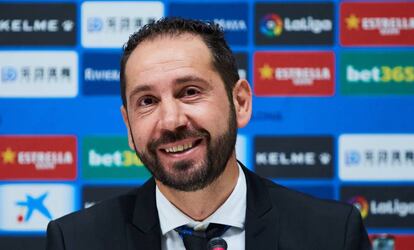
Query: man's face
column 179, row 116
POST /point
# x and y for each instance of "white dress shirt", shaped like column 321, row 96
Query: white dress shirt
column 232, row 213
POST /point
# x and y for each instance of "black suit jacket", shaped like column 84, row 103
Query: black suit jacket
column 276, row 218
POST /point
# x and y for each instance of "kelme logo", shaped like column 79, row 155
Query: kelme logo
column 377, row 73
column 111, row 158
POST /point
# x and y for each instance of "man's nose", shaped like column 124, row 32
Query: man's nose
column 172, row 116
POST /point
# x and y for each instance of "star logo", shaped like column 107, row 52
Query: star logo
column 352, row 22
column 8, row 156
column 34, row 204
column 266, row 72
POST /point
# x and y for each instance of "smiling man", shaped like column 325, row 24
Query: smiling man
column 182, row 104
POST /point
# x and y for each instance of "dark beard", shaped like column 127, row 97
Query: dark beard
column 219, row 152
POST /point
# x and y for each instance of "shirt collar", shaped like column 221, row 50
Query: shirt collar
column 232, row 212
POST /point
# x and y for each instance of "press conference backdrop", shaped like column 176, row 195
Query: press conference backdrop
column 333, row 110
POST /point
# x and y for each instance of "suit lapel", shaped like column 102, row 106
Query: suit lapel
column 145, row 232
column 262, row 229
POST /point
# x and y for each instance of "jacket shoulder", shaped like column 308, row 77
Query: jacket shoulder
column 101, row 226
column 120, row 207
column 320, row 224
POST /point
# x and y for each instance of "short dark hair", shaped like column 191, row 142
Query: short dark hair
column 212, row 35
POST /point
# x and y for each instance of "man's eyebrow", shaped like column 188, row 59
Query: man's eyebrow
column 186, row 79
column 181, row 80
column 139, row 89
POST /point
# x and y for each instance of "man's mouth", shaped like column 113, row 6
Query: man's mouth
column 181, row 147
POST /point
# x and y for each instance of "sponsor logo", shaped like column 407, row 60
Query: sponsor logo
column 33, row 158
column 295, row 73
column 360, row 203
column 377, row 73
column 37, row 24
column 233, row 18
column 271, row 25
column 111, row 158
column 93, row 195
column 376, row 157
column 29, row 207
column 391, row 242
column 281, row 24
column 388, row 207
column 382, row 206
column 299, row 157
column 109, row 24
column 101, row 73
column 38, row 74
column 377, row 23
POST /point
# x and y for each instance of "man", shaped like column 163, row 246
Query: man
column 182, row 104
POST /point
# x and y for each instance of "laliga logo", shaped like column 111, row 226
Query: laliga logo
column 271, row 25
column 361, row 203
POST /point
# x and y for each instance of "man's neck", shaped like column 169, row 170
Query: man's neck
column 200, row 204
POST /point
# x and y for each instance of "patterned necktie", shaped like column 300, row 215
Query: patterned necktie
column 198, row 240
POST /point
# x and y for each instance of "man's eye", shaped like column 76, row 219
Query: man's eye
column 191, row 91
column 146, row 101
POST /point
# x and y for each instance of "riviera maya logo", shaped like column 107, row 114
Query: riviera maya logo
column 361, row 203
column 271, row 25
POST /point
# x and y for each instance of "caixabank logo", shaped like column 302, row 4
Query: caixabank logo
column 294, row 73
column 382, row 206
column 111, row 158
column 294, row 23
column 294, row 157
column 30, row 207
column 38, row 74
column 37, row 24
column 38, row 157
column 232, row 17
column 109, row 24
column 379, row 157
column 377, row 23
column 101, row 73
column 377, row 73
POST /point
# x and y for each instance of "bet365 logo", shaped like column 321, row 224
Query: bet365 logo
column 382, row 74
column 377, row 73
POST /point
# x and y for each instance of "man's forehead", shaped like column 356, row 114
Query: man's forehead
column 166, row 53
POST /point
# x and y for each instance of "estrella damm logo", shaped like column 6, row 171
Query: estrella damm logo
column 111, row 158
column 381, row 73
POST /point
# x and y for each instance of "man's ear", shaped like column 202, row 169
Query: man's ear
column 242, row 99
column 124, row 113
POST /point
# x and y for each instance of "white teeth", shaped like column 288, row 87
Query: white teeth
column 179, row 148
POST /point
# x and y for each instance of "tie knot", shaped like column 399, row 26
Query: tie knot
column 194, row 239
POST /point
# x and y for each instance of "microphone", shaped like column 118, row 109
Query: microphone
column 217, row 243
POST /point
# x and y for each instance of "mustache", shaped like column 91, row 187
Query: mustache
column 178, row 134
